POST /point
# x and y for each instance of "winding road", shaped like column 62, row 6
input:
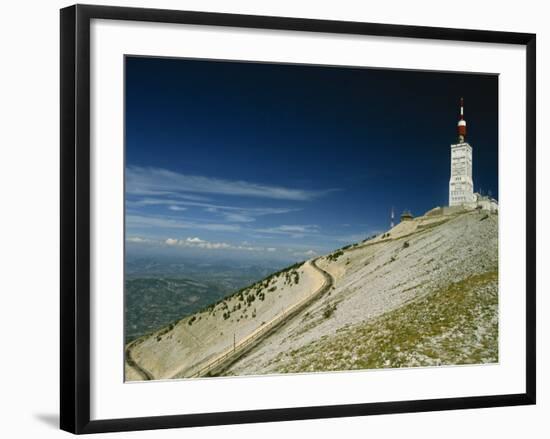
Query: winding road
column 229, row 356
column 146, row 375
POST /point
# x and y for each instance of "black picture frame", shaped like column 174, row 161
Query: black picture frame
column 75, row 217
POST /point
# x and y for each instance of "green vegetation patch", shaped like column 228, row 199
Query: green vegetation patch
column 333, row 257
column 328, row 310
column 457, row 324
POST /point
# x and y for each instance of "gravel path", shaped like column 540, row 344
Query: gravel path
column 130, row 362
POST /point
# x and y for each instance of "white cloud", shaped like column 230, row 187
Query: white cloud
column 299, row 228
column 140, row 180
column 229, row 213
column 154, row 193
column 143, row 221
column 238, row 218
column 177, row 208
column 137, row 239
column 295, row 231
column 195, row 242
column 199, row 243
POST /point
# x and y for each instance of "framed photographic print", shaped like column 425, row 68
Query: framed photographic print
column 285, row 218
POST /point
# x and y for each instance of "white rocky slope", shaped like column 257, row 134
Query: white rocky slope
column 181, row 349
column 424, row 293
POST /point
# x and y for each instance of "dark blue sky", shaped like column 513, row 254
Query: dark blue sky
column 244, row 157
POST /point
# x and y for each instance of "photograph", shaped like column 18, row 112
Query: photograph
column 299, row 218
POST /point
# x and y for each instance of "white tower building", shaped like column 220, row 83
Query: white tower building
column 461, row 185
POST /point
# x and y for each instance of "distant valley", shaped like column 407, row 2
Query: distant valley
column 159, row 291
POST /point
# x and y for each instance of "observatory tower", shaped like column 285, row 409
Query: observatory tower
column 461, row 185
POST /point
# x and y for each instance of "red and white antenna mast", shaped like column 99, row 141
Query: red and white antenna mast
column 461, row 126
